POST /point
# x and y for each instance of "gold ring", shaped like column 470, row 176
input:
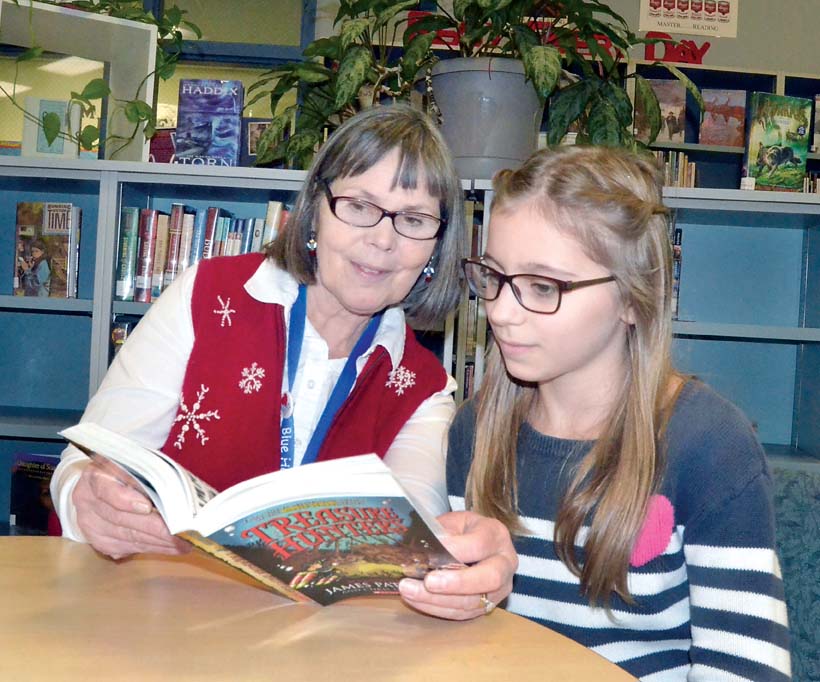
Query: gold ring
column 486, row 603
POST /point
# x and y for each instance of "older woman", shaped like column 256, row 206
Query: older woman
column 319, row 323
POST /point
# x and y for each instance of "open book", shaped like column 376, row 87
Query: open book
column 319, row 532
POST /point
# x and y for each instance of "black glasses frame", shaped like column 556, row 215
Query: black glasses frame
column 331, row 200
column 562, row 285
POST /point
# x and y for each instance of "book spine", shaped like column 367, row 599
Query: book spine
column 186, row 241
column 127, row 264
column 145, row 261
column 174, row 244
column 218, row 551
column 74, row 251
column 273, row 216
column 247, row 235
column 677, row 262
column 258, row 231
column 160, row 254
column 198, row 238
column 211, row 223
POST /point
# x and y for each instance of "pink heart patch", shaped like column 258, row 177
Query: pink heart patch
column 656, row 531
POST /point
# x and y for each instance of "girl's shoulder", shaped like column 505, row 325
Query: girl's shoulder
column 711, row 447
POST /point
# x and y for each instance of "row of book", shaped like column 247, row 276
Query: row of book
column 811, row 183
column 155, row 247
column 47, row 250
column 678, row 170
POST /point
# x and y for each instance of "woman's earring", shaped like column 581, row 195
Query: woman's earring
column 311, row 243
column 429, row 271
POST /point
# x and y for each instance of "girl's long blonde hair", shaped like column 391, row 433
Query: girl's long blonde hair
column 610, row 201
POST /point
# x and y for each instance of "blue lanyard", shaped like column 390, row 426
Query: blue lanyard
column 296, row 333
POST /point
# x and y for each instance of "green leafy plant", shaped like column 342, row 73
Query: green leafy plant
column 573, row 51
column 364, row 62
column 136, row 111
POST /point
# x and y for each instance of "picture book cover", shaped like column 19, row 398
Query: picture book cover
column 724, row 117
column 777, row 141
column 31, row 511
column 319, row 532
column 252, row 129
column 45, row 248
column 671, row 94
column 209, row 122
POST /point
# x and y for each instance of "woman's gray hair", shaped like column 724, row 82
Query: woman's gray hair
column 356, row 146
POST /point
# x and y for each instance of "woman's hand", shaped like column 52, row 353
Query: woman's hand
column 483, row 543
column 116, row 518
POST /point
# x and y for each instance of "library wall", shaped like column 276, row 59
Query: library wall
column 771, row 36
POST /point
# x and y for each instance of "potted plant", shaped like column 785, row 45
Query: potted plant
column 514, row 57
column 568, row 53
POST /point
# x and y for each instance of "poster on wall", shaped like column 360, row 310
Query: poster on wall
column 693, row 17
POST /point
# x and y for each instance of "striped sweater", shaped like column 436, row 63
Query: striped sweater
column 704, row 572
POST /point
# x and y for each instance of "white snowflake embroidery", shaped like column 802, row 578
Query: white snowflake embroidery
column 251, row 376
column 225, row 311
column 401, row 378
column 191, row 418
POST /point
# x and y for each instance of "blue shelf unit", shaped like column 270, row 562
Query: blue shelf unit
column 44, row 367
column 749, row 307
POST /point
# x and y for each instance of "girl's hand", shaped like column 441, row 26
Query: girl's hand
column 474, row 591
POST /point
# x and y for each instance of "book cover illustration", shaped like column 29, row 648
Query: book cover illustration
column 671, row 96
column 43, row 249
column 252, row 129
column 724, row 117
column 34, row 141
column 777, row 141
column 209, row 123
column 336, row 547
column 31, row 511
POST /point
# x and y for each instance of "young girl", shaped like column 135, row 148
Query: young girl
column 640, row 500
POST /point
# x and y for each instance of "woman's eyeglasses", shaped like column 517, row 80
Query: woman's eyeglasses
column 535, row 293
column 361, row 213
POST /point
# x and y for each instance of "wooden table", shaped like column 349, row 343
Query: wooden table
column 66, row 613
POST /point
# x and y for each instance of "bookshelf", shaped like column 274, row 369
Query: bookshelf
column 749, row 302
column 720, row 167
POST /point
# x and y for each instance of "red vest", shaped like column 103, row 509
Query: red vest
column 227, row 426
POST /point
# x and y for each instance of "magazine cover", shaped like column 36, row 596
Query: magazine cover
column 777, row 141
column 332, row 548
column 724, row 117
column 671, row 94
column 209, row 122
column 42, row 251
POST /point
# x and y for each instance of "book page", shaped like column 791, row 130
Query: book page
column 175, row 491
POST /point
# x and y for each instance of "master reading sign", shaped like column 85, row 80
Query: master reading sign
column 696, row 17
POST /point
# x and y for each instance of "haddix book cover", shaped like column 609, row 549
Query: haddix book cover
column 209, row 122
